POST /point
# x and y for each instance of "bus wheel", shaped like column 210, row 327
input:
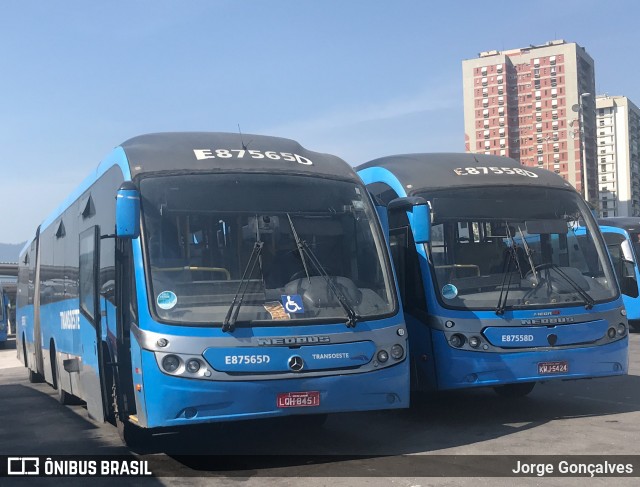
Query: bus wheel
column 63, row 396
column 34, row 377
column 133, row 436
column 3, row 344
column 519, row 389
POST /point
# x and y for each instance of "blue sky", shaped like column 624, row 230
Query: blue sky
column 357, row 78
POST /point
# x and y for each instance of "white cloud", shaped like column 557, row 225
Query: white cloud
column 344, row 117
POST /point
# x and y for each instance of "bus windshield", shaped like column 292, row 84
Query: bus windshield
column 287, row 248
column 514, row 247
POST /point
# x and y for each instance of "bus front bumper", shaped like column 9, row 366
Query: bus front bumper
column 458, row 369
column 174, row 401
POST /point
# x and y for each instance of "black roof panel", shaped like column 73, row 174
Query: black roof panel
column 431, row 171
column 176, row 151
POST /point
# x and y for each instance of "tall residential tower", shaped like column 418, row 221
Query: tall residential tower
column 618, row 156
column 537, row 105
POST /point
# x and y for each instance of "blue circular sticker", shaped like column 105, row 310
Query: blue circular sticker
column 449, row 291
column 167, row 300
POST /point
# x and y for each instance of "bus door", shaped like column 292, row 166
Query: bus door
column 106, row 335
column 90, row 371
column 37, row 332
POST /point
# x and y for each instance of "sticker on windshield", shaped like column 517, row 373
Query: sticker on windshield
column 276, row 311
column 167, row 300
column 292, row 303
column 449, row 291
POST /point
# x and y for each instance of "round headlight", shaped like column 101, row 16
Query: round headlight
column 611, row 332
column 622, row 329
column 397, row 352
column 193, row 366
column 170, row 363
column 474, row 342
column 457, row 340
column 383, row 356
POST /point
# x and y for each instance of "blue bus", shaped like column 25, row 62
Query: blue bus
column 497, row 287
column 4, row 317
column 622, row 235
column 200, row 277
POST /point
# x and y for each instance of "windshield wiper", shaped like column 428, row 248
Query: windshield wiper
column 511, row 255
column 588, row 300
column 352, row 316
column 229, row 323
column 529, row 253
column 299, row 245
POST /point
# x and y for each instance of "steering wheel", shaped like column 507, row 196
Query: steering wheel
column 312, row 272
column 541, row 267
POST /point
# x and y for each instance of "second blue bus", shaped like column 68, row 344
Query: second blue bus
column 498, row 288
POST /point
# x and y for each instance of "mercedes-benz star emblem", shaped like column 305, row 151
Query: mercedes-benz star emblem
column 296, row 363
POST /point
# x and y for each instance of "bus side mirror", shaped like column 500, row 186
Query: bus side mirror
column 128, row 211
column 421, row 223
column 420, row 219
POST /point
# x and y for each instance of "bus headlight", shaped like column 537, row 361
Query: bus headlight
column 383, row 356
column 170, row 363
column 193, row 366
column 611, row 332
column 457, row 340
column 622, row 329
column 474, row 342
column 397, row 352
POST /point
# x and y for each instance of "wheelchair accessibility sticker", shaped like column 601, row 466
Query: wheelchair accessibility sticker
column 292, row 303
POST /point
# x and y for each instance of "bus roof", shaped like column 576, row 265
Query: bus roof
column 174, row 152
column 411, row 171
column 197, row 152
column 629, row 223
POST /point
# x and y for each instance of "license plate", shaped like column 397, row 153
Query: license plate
column 545, row 368
column 299, row 399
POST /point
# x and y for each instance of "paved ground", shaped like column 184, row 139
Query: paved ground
column 592, row 417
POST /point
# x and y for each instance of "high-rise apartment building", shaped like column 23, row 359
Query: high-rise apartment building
column 537, row 105
column 618, row 125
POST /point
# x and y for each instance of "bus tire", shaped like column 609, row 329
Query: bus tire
column 519, row 389
column 64, row 397
column 133, row 436
column 3, row 345
column 34, row 377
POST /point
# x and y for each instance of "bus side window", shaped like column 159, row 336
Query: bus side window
column 89, row 241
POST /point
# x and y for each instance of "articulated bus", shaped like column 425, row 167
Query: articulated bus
column 498, row 288
column 200, row 277
column 622, row 235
